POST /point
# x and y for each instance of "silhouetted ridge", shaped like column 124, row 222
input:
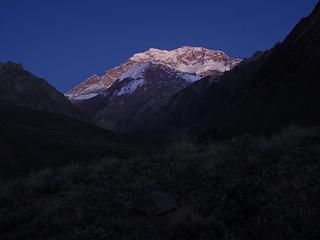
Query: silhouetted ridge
column 24, row 89
column 259, row 96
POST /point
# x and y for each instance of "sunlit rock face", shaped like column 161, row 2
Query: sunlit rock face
column 192, row 60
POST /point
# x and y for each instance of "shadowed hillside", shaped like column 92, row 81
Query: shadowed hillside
column 31, row 140
column 259, row 96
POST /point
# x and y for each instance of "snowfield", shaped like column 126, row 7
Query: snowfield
column 131, row 87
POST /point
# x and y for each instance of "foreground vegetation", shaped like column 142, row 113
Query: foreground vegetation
column 243, row 188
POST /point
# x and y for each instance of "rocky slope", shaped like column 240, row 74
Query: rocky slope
column 131, row 101
column 22, row 88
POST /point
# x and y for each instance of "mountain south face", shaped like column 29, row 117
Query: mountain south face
column 193, row 60
column 21, row 88
column 132, row 101
column 131, row 93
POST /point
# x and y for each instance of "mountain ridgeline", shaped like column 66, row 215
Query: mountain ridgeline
column 126, row 98
column 281, row 89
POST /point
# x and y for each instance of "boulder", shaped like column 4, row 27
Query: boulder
column 155, row 204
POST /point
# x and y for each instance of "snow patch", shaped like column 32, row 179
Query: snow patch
column 82, row 96
column 203, row 67
column 131, row 87
column 190, row 78
column 135, row 72
column 94, row 87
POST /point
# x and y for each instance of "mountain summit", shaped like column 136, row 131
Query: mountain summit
column 131, row 93
column 195, row 61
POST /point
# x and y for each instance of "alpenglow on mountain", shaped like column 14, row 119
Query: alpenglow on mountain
column 192, row 63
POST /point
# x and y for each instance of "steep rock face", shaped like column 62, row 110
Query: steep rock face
column 192, row 60
column 131, row 101
column 262, row 94
column 22, row 88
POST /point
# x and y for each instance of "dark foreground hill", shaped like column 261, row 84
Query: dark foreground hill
column 32, row 140
column 244, row 188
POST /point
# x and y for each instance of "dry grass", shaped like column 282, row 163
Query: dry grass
column 244, row 188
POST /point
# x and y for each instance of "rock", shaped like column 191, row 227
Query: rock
column 155, row 204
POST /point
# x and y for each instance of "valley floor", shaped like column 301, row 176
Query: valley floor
column 243, row 188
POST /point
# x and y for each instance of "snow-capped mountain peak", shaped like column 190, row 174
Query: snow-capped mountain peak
column 191, row 62
column 189, row 59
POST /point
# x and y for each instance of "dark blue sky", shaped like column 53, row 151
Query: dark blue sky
column 65, row 41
